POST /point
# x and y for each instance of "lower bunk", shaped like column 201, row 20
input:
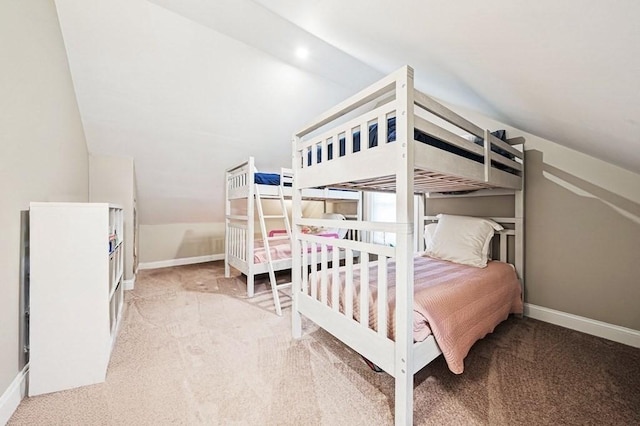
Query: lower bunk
column 453, row 304
column 252, row 257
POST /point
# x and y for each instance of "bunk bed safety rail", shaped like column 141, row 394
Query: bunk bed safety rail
column 325, row 159
column 340, row 141
column 237, row 240
column 356, row 293
column 239, row 178
column 286, row 177
column 492, row 147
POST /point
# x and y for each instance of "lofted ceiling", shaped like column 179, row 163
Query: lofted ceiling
column 188, row 88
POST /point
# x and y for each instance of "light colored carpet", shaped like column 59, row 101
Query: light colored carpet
column 194, row 350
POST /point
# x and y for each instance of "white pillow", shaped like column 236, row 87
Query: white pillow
column 342, row 232
column 429, row 230
column 462, row 239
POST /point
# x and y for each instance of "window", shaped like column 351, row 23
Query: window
column 383, row 209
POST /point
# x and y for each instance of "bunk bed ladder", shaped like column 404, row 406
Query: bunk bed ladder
column 266, row 238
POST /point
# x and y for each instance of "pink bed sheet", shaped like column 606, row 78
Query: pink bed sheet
column 458, row 304
column 279, row 249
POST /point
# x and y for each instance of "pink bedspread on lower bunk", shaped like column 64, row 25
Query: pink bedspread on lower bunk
column 458, row 304
column 279, row 249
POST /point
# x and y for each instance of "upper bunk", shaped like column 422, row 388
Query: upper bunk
column 239, row 182
column 430, row 148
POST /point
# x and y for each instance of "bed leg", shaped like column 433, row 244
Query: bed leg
column 250, row 285
column 296, row 323
column 404, row 399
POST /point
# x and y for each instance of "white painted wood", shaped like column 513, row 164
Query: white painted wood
column 13, row 395
column 364, row 289
column 520, row 233
column 348, row 292
column 299, row 274
column 182, row 261
column 266, row 239
column 446, row 114
column 363, row 340
column 425, row 352
column 240, row 229
column 404, row 166
column 404, row 160
column 602, row 329
column 76, row 293
column 436, row 131
column 489, row 192
column 505, row 146
column 487, row 156
column 383, row 305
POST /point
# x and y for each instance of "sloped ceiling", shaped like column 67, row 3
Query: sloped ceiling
column 189, row 88
column 566, row 70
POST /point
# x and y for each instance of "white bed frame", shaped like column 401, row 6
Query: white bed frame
column 404, row 166
column 240, row 229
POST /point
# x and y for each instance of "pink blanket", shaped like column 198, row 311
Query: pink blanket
column 279, row 249
column 459, row 304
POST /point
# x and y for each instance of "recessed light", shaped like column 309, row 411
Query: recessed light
column 302, row 52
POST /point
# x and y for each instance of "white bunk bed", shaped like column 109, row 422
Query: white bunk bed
column 243, row 250
column 406, row 166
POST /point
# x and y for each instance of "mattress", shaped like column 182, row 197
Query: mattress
column 458, row 304
column 268, row 179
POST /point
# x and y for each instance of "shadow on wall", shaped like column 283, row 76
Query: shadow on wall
column 582, row 188
column 582, row 246
column 200, row 243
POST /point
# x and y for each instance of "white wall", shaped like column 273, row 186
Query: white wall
column 184, row 100
column 111, row 180
column 44, row 155
column 180, row 240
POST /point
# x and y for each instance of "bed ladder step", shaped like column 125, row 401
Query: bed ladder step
column 275, row 287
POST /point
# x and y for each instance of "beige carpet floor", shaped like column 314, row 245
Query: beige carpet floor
column 194, row 350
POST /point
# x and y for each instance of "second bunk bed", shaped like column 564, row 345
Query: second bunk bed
column 406, row 143
column 258, row 236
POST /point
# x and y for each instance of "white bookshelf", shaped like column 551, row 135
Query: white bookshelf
column 76, row 293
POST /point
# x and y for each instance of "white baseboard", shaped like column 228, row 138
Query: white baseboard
column 180, row 262
column 129, row 284
column 605, row 330
column 11, row 397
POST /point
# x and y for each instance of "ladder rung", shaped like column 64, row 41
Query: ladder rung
column 278, row 238
column 283, row 285
column 273, row 216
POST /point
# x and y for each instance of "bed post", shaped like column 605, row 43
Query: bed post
column 519, row 214
column 250, row 226
column 404, row 249
column 296, row 254
column 227, row 222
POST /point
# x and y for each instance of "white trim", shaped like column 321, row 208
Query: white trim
column 129, row 284
column 605, row 330
column 180, row 262
column 12, row 397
